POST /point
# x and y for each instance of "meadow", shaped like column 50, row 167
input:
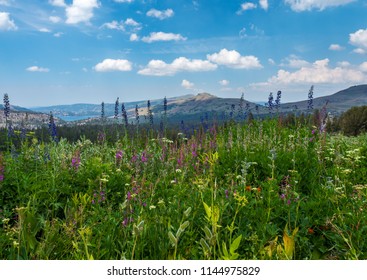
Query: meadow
column 254, row 190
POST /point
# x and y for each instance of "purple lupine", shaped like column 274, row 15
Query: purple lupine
column 270, row 102
column 144, row 157
column 116, row 115
column 124, row 114
column 52, row 128
column 103, row 116
column 118, row 156
column 310, row 100
column 2, row 168
column 75, row 162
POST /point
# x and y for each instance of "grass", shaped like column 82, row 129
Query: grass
column 236, row 191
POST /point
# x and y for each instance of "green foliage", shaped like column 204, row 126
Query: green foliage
column 271, row 189
column 354, row 121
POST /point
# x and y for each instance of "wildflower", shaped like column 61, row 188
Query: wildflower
column 75, row 161
column 101, row 137
column 128, row 197
column 103, row 117
column 116, row 108
column 282, row 196
column 124, row 114
column 310, row 231
column 144, row 157
column 248, row 188
column 226, row 192
column 118, row 156
column 258, row 189
column 6, row 106
column 52, row 127
column 310, row 99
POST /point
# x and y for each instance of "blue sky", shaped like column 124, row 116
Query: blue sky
column 73, row 51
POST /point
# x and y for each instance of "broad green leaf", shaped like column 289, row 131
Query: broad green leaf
column 235, row 244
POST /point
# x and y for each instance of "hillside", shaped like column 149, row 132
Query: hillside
column 337, row 103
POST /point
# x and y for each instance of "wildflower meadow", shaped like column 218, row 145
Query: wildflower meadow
column 257, row 189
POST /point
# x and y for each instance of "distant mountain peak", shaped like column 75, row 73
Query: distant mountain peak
column 204, row 96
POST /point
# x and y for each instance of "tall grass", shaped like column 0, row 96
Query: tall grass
column 257, row 190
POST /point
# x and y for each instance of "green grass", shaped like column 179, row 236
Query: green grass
column 239, row 191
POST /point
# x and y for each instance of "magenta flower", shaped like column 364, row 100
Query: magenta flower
column 118, row 155
column 144, row 157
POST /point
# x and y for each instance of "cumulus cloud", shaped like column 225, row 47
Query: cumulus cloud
column 233, row 59
column 307, row 5
column 294, row 62
column 37, row 69
column 162, row 36
column 264, row 4
column 129, row 25
column 319, row 72
column 160, row 14
column 336, row 47
column 359, row 40
column 187, row 85
column 110, row 65
column 58, row 34
column 57, row 3
column 44, row 30
column 363, row 67
column 246, row 6
column 80, row 11
column 114, row 25
column 181, row 64
column 6, row 23
column 224, row 83
column 134, row 37
column 54, row 19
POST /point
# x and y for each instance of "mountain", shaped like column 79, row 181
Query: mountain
column 187, row 107
column 337, row 103
column 94, row 110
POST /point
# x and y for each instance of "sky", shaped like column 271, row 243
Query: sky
column 56, row 52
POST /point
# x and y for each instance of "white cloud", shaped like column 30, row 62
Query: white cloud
column 187, row 85
column 6, row 23
column 81, row 11
column 344, row 64
column 58, row 34
column 109, row 65
column 307, row 5
column 246, row 6
column 363, row 67
column 359, row 40
column 224, row 83
column 264, row 4
column 128, row 25
column 181, row 64
column 294, row 62
column 54, row 19
column 336, row 47
column 360, row 51
column 319, row 73
column 44, row 30
column 271, row 61
column 57, row 3
column 37, row 69
column 114, row 25
column 134, row 37
column 160, row 14
column 161, row 36
column 124, row 1
column 4, row 2
column 233, row 59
